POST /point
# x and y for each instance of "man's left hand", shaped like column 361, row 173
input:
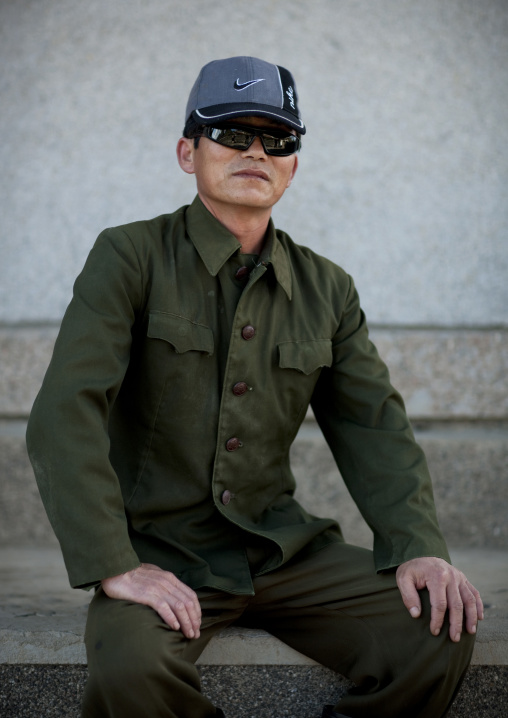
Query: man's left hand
column 449, row 590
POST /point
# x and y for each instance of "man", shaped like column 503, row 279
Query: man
column 160, row 439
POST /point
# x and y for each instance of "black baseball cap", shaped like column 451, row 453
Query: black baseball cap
column 244, row 87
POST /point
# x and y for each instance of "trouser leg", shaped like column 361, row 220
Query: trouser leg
column 333, row 607
column 139, row 667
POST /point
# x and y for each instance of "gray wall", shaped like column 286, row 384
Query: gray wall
column 404, row 170
column 403, row 175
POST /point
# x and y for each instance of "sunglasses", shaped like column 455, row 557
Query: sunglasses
column 275, row 142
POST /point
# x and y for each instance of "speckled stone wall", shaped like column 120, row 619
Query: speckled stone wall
column 442, row 374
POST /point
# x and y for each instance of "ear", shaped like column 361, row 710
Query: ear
column 293, row 171
column 185, row 154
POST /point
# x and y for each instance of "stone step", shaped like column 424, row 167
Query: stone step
column 441, row 373
column 469, row 467
column 249, row 673
column 468, row 461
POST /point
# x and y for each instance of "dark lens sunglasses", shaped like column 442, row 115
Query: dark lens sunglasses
column 275, row 142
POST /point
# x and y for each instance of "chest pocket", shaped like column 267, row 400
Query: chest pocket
column 183, row 334
column 305, row 356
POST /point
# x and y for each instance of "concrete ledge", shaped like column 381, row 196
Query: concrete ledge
column 56, row 644
column 249, row 673
column 232, row 647
column 42, row 620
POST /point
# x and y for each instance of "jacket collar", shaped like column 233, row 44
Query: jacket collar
column 215, row 244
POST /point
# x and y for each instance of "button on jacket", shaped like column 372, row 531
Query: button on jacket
column 181, row 374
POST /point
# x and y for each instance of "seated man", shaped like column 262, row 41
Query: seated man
column 185, row 364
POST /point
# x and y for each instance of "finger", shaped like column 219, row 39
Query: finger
column 479, row 603
column 455, row 611
column 183, row 606
column 189, row 623
column 171, row 607
column 188, row 608
column 174, row 601
column 167, row 615
column 192, row 596
column 469, row 600
column 410, row 595
column 438, row 607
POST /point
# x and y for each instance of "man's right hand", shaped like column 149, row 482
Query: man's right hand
column 176, row 603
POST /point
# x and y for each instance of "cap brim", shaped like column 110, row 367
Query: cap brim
column 219, row 113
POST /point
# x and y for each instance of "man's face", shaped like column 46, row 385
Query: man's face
column 246, row 178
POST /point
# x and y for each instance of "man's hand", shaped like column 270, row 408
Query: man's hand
column 449, row 590
column 176, row 603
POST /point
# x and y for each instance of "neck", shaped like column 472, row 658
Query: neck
column 247, row 224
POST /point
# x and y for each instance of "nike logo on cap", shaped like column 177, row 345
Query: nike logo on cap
column 243, row 85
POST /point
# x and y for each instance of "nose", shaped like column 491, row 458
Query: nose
column 256, row 150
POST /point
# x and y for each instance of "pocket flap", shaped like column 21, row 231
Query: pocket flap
column 183, row 334
column 305, row 356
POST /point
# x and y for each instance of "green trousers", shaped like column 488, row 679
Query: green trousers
column 330, row 605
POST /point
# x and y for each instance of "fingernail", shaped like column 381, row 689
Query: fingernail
column 457, row 637
column 473, row 630
column 414, row 612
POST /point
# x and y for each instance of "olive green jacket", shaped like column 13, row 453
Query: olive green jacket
column 162, row 429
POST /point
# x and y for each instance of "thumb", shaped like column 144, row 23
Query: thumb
column 409, row 593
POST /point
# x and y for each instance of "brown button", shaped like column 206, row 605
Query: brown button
column 242, row 273
column 240, row 388
column 233, row 444
column 248, row 332
column 226, row 497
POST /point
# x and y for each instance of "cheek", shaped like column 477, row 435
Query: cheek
column 291, row 170
column 217, row 172
column 286, row 179
column 218, row 179
column 211, row 176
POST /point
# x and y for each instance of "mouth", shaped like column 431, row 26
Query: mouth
column 252, row 174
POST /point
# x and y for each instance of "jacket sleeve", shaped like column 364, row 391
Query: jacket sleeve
column 67, row 435
column 366, row 426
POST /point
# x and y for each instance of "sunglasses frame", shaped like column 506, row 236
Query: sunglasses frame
column 207, row 130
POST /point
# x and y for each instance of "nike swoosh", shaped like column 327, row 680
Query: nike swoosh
column 242, row 85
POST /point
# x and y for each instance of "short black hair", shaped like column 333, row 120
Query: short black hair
column 193, row 129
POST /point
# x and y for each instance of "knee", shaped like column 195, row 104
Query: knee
column 135, row 665
column 125, row 641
